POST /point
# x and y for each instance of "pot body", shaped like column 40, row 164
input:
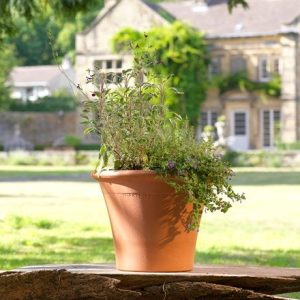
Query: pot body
column 148, row 222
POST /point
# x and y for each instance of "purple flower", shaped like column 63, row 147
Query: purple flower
column 171, row 165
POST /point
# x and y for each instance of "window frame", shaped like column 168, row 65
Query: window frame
column 271, row 125
column 215, row 63
column 115, row 67
column 261, row 70
column 242, row 59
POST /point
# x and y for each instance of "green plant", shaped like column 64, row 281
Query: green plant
column 137, row 131
column 180, row 51
column 81, row 159
column 288, row 146
column 254, row 159
column 59, row 103
column 72, row 140
column 87, row 147
column 242, row 82
column 39, row 147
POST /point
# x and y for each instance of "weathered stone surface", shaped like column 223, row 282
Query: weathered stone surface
column 37, row 127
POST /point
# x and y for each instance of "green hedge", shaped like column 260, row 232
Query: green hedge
column 254, row 159
column 242, row 82
column 81, row 147
column 47, row 104
column 88, row 147
column 288, row 146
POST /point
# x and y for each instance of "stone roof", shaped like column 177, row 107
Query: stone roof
column 264, row 17
column 32, row 75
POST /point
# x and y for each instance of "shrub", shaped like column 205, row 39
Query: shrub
column 254, row 159
column 47, row 104
column 87, row 147
column 72, row 140
column 137, row 131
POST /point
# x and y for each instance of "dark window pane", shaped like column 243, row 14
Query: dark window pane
column 214, row 118
column 276, row 125
column 109, row 64
column 98, row 64
column 264, row 69
column 240, row 123
column 215, row 66
column 266, row 129
column 237, row 64
column 119, row 64
column 204, row 119
column 276, row 66
column 276, row 115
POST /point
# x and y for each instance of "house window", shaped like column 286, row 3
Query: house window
column 98, row 64
column 270, row 127
column 113, row 68
column 215, row 66
column 276, row 66
column 264, row 69
column 208, row 118
column 29, row 92
column 109, row 64
column 240, row 123
column 237, row 64
column 119, row 64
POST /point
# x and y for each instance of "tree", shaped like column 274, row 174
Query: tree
column 180, row 51
column 12, row 10
column 32, row 38
column 7, row 61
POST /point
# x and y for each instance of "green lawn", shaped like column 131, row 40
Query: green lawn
column 44, row 219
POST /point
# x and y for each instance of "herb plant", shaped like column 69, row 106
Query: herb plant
column 138, row 132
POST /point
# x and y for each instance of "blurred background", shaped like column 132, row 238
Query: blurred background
column 239, row 69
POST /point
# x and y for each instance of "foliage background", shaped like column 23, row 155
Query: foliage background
column 25, row 25
column 181, row 52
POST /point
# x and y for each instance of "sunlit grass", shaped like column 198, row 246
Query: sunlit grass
column 66, row 222
column 34, row 172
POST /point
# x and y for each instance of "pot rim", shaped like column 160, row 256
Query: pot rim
column 122, row 173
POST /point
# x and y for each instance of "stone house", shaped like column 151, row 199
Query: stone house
column 34, row 82
column 263, row 41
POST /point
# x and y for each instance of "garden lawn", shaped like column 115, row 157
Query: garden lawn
column 56, row 215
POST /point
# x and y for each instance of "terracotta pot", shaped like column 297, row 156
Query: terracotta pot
column 148, row 222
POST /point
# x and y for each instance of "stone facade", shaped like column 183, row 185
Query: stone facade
column 251, row 118
column 36, row 127
column 257, row 109
column 94, row 44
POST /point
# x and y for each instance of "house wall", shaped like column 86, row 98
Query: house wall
column 64, row 81
column 37, row 127
column 30, row 93
column 250, row 48
column 127, row 13
column 285, row 48
column 95, row 42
